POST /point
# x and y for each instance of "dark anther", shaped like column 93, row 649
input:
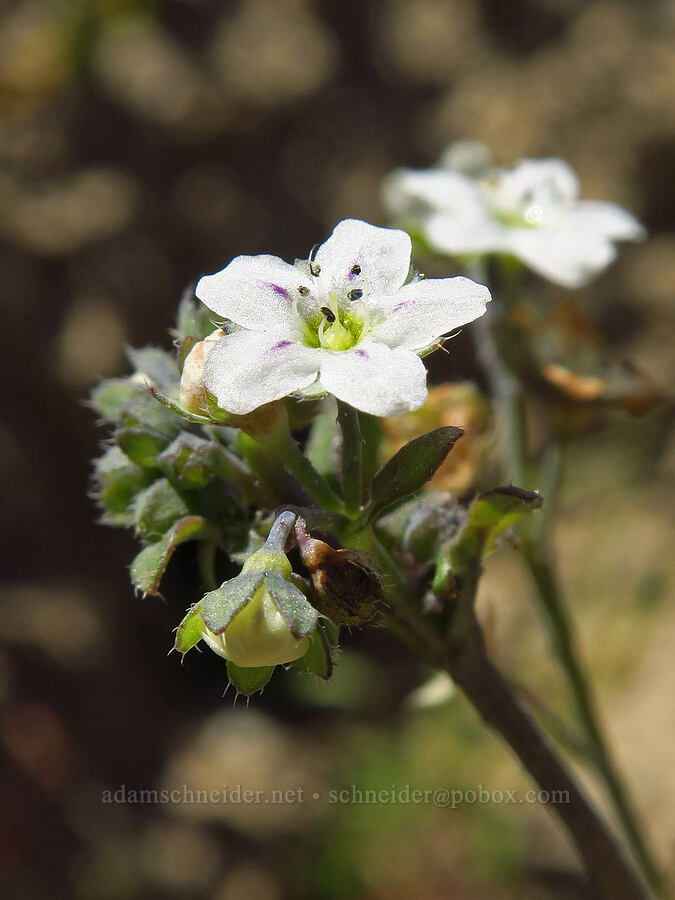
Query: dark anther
column 355, row 270
column 328, row 313
column 355, row 294
column 303, row 291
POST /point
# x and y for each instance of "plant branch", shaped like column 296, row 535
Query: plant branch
column 488, row 691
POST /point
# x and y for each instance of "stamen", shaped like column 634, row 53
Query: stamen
column 355, row 269
column 303, row 290
column 355, row 294
column 328, row 313
column 314, row 268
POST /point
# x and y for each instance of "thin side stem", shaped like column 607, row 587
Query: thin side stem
column 488, row 691
column 290, row 454
column 507, row 390
column 352, row 456
column 561, row 634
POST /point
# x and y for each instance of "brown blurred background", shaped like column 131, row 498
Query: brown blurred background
column 142, row 144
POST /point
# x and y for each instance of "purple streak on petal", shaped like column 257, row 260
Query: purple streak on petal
column 280, row 346
column 402, row 305
column 279, row 290
column 362, row 353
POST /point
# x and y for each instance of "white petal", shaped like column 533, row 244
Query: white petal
column 381, row 254
column 424, row 310
column 466, row 232
column 562, row 254
column 375, row 379
column 248, row 368
column 607, row 219
column 409, row 191
column 255, row 292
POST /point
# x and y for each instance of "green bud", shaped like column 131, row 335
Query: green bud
column 260, row 618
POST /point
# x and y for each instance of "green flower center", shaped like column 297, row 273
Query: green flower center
column 334, row 326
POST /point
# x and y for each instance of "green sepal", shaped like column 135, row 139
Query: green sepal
column 140, row 445
column 150, row 564
column 217, row 414
column 176, row 408
column 182, row 351
column 247, row 680
column 118, row 480
column 109, row 398
column 143, row 411
column 189, row 632
column 296, row 610
column 157, row 366
column 189, row 461
column 156, row 509
column 407, row 471
column 194, row 319
column 219, row 607
column 319, row 656
column 489, row 516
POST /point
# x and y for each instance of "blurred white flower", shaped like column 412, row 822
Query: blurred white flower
column 532, row 211
column 347, row 322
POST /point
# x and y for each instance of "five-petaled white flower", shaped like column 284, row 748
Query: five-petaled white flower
column 348, row 321
column 531, row 211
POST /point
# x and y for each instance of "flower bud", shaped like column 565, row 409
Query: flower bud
column 192, row 389
column 348, row 583
column 260, row 618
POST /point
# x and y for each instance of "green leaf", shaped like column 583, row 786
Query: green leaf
column 141, row 446
column 408, row 471
column 248, row 680
column 298, row 613
column 189, row 632
column 219, row 607
column 319, row 657
column 157, row 366
column 118, row 481
column 109, row 398
column 157, row 508
column 190, row 461
column 489, row 516
column 150, row 564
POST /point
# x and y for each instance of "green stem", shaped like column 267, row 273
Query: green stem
column 561, row 633
column 507, row 389
column 290, row 454
column 352, row 456
column 206, row 557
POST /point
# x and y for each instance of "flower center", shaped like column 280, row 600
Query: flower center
column 526, row 199
column 335, row 322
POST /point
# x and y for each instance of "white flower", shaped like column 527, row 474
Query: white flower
column 531, row 211
column 347, row 322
